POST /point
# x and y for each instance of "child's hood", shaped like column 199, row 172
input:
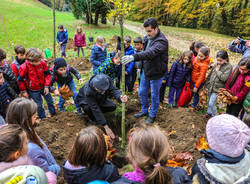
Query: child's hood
column 19, row 162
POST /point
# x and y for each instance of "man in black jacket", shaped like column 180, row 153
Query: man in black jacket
column 94, row 99
column 155, row 61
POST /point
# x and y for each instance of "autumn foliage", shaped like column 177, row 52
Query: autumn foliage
column 222, row 16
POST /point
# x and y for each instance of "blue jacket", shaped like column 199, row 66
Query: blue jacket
column 42, row 157
column 98, row 56
column 178, row 75
column 242, row 48
column 130, row 66
column 62, row 36
column 223, row 166
column 84, row 175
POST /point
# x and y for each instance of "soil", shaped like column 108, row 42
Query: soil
column 59, row 132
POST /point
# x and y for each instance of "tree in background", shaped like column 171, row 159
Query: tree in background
column 83, row 9
column 222, row 16
column 120, row 9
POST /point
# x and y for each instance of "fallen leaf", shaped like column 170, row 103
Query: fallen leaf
column 172, row 132
column 202, row 144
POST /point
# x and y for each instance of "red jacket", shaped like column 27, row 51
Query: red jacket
column 34, row 77
column 239, row 87
column 80, row 40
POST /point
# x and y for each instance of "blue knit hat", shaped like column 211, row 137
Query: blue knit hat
column 59, row 62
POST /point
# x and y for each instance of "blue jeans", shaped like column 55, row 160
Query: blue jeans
column 37, row 97
column 174, row 92
column 196, row 97
column 61, row 103
column 63, row 50
column 211, row 109
column 155, row 86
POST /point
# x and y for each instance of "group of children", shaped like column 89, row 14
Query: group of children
column 25, row 157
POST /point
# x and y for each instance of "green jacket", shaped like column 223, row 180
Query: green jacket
column 218, row 79
column 246, row 102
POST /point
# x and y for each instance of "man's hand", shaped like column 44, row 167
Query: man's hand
column 46, row 91
column 126, row 73
column 60, row 43
column 195, row 90
column 109, row 132
column 80, row 81
column 124, row 98
column 24, row 94
column 127, row 59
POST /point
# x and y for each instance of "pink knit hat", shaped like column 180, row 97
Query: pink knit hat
column 227, row 135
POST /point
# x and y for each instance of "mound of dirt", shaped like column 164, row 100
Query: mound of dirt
column 59, row 132
column 81, row 64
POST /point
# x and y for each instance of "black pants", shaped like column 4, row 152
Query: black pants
column 234, row 109
column 162, row 91
column 107, row 106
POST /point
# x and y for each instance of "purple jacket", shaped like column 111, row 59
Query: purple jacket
column 42, row 158
column 80, row 40
column 178, row 75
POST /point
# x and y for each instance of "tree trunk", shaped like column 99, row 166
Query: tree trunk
column 114, row 20
column 96, row 17
column 54, row 30
column 104, row 18
column 123, row 80
column 87, row 18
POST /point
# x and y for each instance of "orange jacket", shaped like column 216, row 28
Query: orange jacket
column 199, row 71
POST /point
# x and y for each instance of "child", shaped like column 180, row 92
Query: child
column 23, row 112
column 6, row 95
column 79, row 41
column 240, row 46
column 130, row 71
column 217, row 79
column 110, row 66
column 148, row 150
column 62, row 74
column 34, row 81
column 87, row 159
column 194, row 47
column 200, row 68
column 62, row 39
column 138, row 45
column 14, row 164
column 19, row 59
column 227, row 160
column 237, row 86
column 98, row 53
column 180, row 73
column 8, row 74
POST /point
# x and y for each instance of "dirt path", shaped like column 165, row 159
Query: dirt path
column 181, row 46
column 182, row 40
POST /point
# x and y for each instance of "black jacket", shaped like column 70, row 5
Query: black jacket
column 10, row 77
column 7, row 93
column 155, row 58
column 83, row 176
column 89, row 96
column 55, row 77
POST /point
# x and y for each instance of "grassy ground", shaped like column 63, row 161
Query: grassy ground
column 29, row 23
